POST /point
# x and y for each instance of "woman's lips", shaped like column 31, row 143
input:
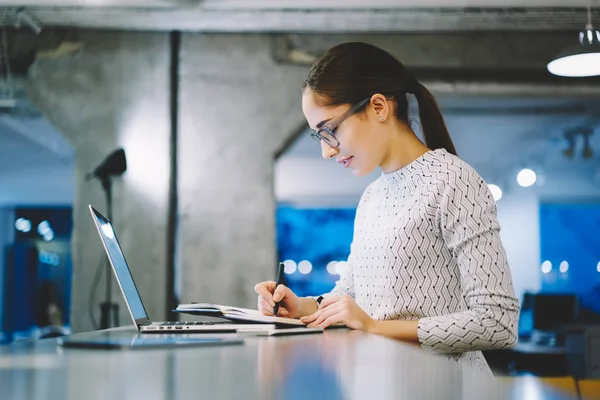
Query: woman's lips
column 347, row 161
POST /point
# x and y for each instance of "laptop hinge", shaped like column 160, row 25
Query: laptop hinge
column 145, row 323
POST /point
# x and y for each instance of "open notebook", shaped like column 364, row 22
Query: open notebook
column 236, row 314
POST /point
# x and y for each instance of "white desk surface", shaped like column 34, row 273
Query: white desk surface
column 338, row 364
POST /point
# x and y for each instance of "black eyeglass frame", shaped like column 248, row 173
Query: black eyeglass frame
column 329, row 128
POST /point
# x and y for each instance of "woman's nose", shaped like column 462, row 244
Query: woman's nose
column 327, row 151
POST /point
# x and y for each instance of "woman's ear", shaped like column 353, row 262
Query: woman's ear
column 380, row 106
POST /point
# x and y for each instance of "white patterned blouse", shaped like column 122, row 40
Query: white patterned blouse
column 426, row 246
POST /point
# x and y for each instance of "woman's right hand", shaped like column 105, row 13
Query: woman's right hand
column 269, row 294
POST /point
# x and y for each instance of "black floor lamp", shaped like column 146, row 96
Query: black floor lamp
column 114, row 164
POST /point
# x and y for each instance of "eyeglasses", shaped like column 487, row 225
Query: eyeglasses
column 327, row 132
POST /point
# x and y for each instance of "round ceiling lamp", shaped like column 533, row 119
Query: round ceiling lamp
column 582, row 60
column 496, row 191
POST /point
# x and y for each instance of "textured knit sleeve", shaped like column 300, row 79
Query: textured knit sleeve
column 467, row 220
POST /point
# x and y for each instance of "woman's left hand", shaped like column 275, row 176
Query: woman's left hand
column 339, row 309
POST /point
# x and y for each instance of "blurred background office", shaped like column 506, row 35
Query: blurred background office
column 220, row 180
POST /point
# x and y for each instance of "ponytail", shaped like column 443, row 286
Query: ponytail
column 434, row 128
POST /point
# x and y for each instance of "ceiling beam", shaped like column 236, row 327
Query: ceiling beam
column 345, row 4
column 305, row 4
column 464, row 52
column 40, row 133
column 494, row 63
column 25, row 120
column 568, row 90
column 99, row 3
column 212, row 16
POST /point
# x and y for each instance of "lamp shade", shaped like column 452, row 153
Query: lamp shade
column 579, row 61
column 114, row 164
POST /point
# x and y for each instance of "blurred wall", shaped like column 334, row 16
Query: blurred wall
column 237, row 109
column 114, row 93
column 518, row 215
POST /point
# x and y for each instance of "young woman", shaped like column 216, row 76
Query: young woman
column 426, row 263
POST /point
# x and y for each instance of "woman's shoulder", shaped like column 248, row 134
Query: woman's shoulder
column 462, row 183
column 451, row 161
column 453, row 168
column 371, row 190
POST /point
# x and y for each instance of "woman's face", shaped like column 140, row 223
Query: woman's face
column 362, row 143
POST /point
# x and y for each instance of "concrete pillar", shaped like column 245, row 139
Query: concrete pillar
column 237, row 109
column 114, row 93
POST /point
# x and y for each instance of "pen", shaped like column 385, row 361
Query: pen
column 278, row 282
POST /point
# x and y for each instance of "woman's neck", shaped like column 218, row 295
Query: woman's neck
column 404, row 148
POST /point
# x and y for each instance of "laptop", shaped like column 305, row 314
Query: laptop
column 136, row 308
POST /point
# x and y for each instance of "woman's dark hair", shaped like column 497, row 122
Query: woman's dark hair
column 351, row 72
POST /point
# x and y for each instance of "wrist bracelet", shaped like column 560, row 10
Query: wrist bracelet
column 318, row 300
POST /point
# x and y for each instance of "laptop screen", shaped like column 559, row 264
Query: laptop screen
column 114, row 252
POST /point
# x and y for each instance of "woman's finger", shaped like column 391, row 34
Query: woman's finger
column 266, row 289
column 283, row 312
column 327, row 301
column 282, row 292
column 310, row 318
column 324, row 314
column 264, row 306
column 333, row 319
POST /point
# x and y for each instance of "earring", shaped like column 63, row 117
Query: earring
column 380, row 118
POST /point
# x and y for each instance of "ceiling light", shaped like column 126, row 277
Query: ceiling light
column 49, row 235
column 582, row 60
column 23, row 225
column 496, row 192
column 331, row 267
column 304, row 267
column 546, row 267
column 43, row 227
column 289, row 266
column 526, row 177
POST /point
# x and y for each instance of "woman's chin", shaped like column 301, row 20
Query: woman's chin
column 358, row 172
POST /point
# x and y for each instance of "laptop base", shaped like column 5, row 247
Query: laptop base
column 188, row 327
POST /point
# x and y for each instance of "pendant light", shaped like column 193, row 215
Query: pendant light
column 582, row 60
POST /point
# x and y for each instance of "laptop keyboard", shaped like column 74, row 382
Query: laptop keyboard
column 180, row 323
column 183, row 325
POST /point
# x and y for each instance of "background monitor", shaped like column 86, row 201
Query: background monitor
column 552, row 311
